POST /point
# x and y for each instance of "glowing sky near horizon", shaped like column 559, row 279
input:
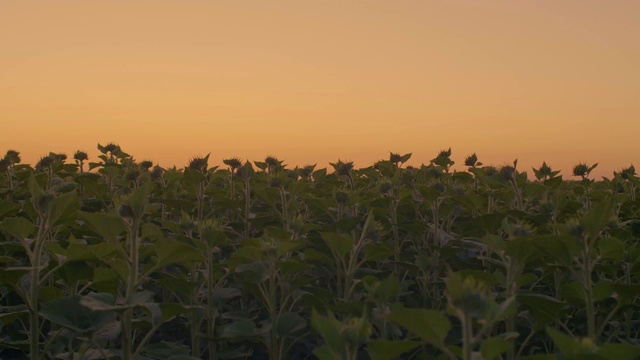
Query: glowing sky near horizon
column 317, row 81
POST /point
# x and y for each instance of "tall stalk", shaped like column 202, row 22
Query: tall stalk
column 36, row 256
column 127, row 318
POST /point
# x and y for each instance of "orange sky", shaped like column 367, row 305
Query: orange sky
column 318, row 81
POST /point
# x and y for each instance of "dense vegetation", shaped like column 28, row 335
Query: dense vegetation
column 122, row 259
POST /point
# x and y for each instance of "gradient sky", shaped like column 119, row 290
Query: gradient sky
column 317, row 81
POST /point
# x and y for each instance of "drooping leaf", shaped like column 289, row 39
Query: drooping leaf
column 19, row 228
column 341, row 244
column 108, row 226
column 170, row 251
column 431, row 326
column 493, row 347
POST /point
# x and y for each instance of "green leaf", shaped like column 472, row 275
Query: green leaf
column 562, row 248
column 100, row 302
column 566, row 344
column 574, row 293
column 139, row 199
column 290, row 323
column 239, row 329
column 324, row 353
column 432, row 326
column 611, row 248
column 553, row 183
column 597, row 218
column 340, row 244
column 493, row 347
column 494, row 243
column 19, row 228
column 378, row 251
column 63, row 208
column 389, row 350
column 34, row 187
column 108, row 226
column 107, row 332
column 544, row 309
column 329, row 328
column 170, row 311
column 79, row 252
column 69, row 313
column 626, row 293
column 619, row 351
column 170, row 251
column 8, row 208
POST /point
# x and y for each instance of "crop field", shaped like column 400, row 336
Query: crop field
column 113, row 258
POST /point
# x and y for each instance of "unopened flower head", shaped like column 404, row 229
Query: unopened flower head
column 343, row 168
column 490, row 170
column 342, row 197
column 146, row 165
column 445, row 153
column 112, row 148
column 157, row 172
column 395, row 158
column 58, row 157
column 199, row 163
column 545, row 169
column 13, row 157
column 272, row 162
column 307, row 171
column 233, row 163
column 80, row 156
column 385, row 187
column 508, row 172
column 45, row 162
column 581, row 170
column 132, row 175
column 471, row 160
column 628, row 173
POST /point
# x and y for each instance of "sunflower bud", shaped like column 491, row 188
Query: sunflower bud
column 126, row 211
column 157, row 172
column 13, row 157
column 43, row 202
column 395, row 158
column 272, row 162
column 199, row 163
column 45, row 162
column 275, row 182
column 385, row 187
column 132, row 175
column 471, row 160
column 581, row 170
column 508, row 172
column 146, row 165
column 112, row 148
column 233, row 163
column 341, row 197
column 343, row 168
column 307, row 171
column 628, row 173
column 80, row 156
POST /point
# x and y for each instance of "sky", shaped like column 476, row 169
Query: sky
column 317, row 81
